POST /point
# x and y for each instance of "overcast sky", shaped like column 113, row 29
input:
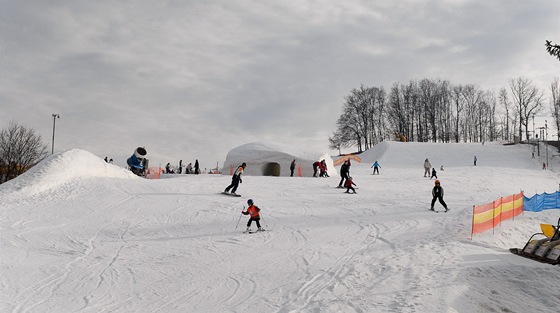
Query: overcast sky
column 194, row 79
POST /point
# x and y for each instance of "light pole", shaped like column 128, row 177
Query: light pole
column 546, row 143
column 55, row 116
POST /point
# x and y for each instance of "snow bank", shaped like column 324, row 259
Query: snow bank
column 258, row 155
column 62, row 168
column 413, row 154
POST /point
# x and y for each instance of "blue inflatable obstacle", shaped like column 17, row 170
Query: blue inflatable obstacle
column 138, row 163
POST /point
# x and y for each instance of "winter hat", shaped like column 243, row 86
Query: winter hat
column 437, row 182
column 250, row 202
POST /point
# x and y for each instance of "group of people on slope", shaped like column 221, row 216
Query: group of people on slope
column 346, row 181
column 322, row 167
column 189, row 169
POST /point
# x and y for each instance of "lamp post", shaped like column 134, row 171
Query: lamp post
column 546, row 143
column 55, row 116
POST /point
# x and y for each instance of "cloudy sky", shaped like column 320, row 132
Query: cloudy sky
column 194, row 79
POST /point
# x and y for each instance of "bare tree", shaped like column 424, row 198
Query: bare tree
column 20, row 149
column 504, row 101
column 528, row 100
column 555, row 103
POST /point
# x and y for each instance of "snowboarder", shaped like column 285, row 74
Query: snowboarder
column 349, row 184
column 427, row 167
column 344, row 173
column 376, row 168
column 253, row 211
column 236, row 179
column 292, row 168
column 437, row 193
column 434, row 173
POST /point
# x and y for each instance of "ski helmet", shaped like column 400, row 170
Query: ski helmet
column 250, row 202
column 437, row 182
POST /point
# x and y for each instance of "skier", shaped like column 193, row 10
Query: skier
column 434, row 173
column 323, row 168
column 315, row 166
column 349, row 184
column 292, row 168
column 236, row 179
column 253, row 211
column 437, row 193
column 376, row 168
column 344, row 173
column 427, row 167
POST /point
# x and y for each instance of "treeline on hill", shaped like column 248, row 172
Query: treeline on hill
column 434, row 110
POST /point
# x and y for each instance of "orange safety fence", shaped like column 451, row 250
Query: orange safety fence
column 490, row 215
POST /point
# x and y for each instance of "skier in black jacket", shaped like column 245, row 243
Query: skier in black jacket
column 437, row 193
column 344, row 173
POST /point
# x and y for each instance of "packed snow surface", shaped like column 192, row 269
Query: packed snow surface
column 80, row 235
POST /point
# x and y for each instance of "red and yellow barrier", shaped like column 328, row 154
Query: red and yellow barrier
column 490, row 215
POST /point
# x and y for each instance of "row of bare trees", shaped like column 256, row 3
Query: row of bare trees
column 20, row 149
column 434, row 110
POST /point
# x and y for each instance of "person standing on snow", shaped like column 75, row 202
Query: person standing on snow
column 434, row 173
column 344, row 173
column 437, row 194
column 427, row 167
column 253, row 211
column 196, row 167
column 315, row 167
column 236, row 179
column 348, row 185
column 376, row 168
column 475, row 160
column 292, row 168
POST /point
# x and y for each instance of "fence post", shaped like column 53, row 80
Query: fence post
column 472, row 223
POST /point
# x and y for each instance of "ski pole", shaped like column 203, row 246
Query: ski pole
column 262, row 217
column 240, row 218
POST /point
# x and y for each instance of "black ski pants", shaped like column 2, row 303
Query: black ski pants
column 440, row 201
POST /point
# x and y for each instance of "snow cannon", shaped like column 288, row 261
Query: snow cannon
column 138, row 163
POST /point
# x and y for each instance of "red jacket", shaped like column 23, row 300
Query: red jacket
column 349, row 183
column 253, row 210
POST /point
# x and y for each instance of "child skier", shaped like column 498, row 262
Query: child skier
column 434, row 173
column 437, row 193
column 253, row 211
column 349, row 184
column 376, row 168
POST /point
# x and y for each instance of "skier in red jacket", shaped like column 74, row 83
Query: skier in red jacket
column 253, row 211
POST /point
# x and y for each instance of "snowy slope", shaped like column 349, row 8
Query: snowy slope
column 100, row 240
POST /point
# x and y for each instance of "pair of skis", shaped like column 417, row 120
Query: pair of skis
column 438, row 211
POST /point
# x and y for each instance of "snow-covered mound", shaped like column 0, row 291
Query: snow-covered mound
column 62, row 168
column 258, row 155
column 398, row 154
